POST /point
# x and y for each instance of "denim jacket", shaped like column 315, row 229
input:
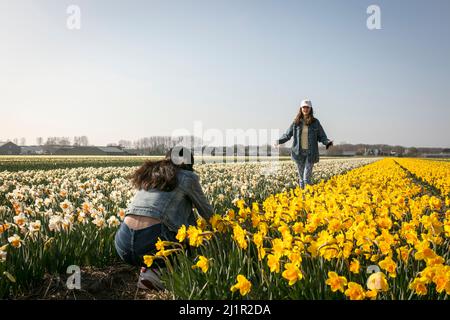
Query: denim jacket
column 173, row 208
column 316, row 134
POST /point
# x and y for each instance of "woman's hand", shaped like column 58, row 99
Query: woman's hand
column 329, row 144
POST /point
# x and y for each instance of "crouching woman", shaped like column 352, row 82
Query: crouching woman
column 167, row 192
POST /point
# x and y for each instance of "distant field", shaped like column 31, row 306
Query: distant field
column 436, row 159
column 18, row 163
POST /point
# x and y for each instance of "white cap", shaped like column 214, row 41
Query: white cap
column 306, row 103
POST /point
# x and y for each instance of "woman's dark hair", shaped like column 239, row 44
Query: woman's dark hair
column 162, row 174
column 300, row 116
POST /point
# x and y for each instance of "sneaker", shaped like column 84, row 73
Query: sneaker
column 150, row 279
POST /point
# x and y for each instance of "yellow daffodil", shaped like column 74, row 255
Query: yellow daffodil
column 148, row 260
column 166, row 253
column 217, row 223
column 159, row 245
column 354, row 266
column 355, row 291
column 273, row 261
column 295, row 257
column 195, row 236
column 181, row 235
column 292, row 273
column 403, row 253
column 419, row 286
column 371, row 294
column 258, row 239
column 336, row 282
column 201, row 223
column 389, row 265
column 239, row 236
column 261, row 253
column 243, row 285
column 202, row 264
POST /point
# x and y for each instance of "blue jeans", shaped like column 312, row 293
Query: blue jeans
column 131, row 245
column 304, row 167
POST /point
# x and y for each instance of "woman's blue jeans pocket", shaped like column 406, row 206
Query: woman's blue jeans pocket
column 131, row 245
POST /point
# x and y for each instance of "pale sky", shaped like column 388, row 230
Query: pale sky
column 143, row 68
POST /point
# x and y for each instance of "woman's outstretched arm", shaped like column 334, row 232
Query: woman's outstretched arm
column 321, row 136
column 286, row 136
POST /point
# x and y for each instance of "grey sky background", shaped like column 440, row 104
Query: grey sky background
column 142, row 68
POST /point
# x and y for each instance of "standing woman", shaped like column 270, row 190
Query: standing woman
column 307, row 132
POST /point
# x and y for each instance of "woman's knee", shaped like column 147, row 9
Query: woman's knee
column 123, row 245
column 300, row 166
column 124, row 254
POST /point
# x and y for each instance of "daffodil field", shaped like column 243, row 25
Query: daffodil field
column 50, row 219
column 268, row 239
column 371, row 233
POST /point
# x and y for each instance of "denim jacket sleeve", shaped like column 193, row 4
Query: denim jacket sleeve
column 288, row 135
column 322, row 137
column 198, row 198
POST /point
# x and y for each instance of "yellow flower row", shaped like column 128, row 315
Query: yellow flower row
column 435, row 173
column 373, row 215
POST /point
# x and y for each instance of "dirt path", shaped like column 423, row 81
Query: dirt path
column 114, row 282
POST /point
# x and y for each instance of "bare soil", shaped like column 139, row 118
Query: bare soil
column 110, row 283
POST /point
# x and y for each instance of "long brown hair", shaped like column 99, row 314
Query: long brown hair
column 300, row 116
column 162, row 174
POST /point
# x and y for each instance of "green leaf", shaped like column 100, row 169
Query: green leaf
column 9, row 276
